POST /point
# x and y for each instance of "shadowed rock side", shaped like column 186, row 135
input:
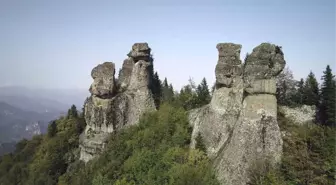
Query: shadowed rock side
column 239, row 126
column 109, row 109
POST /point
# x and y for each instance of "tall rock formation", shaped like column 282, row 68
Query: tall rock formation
column 111, row 106
column 239, row 126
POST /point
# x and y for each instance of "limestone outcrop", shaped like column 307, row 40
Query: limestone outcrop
column 239, row 126
column 110, row 109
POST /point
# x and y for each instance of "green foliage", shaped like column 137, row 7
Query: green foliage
column 191, row 97
column 286, row 85
column 72, row 112
column 154, row 152
column 311, row 90
column 327, row 109
column 167, row 91
column 157, row 90
column 299, row 95
column 203, row 94
column 44, row 158
column 199, row 143
column 52, row 129
column 308, row 156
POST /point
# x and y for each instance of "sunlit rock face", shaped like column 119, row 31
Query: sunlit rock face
column 239, row 126
column 111, row 107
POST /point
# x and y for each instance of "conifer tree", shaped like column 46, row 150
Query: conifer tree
column 72, row 112
column 326, row 112
column 203, row 93
column 52, row 129
column 167, row 91
column 300, row 92
column 157, row 89
column 311, row 90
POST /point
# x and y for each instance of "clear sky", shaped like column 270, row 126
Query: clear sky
column 56, row 43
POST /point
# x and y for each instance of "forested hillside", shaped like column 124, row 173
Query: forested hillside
column 156, row 151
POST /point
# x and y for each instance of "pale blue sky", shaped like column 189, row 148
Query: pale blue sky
column 55, row 44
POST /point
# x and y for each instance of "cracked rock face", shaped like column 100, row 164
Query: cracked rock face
column 228, row 69
column 239, row 126
column 108, row 109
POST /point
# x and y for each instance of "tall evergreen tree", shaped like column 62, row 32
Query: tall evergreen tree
column 300, row 92
column 52, row 129
column 311, row 90
column 167, row 91
column 326, row 110
column 203, row 93
column 157, row 89
column 72, row 112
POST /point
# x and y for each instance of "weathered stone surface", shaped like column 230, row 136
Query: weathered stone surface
column 140, row 76
column 126, row 72
column 141, row 47
column 105, row 115
column 299, row 115
column 240, row 126
column 266, row 86
column 140, row 51
column 228, row 67
column 229, row 50
column 103, row 79
column 256, row 136
column 265, row 61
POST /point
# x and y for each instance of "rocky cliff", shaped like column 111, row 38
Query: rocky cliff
column 115, row 104
column 239, row 126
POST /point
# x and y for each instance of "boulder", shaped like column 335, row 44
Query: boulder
column 140, row 51
column 103, row 80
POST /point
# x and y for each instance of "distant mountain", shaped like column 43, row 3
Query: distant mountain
column 25, row 112
column 43, row 100
column 16, row 124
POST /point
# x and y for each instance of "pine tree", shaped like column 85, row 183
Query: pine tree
column 52, row 129
column 203, row 93
column 300, row 92
column 311, row 90
column 72, row 112
column 326, row 112
column 165, row 83
column 167, row 91
column 157, row 90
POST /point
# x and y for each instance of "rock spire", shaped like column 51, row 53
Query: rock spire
column 116, row 104
column 239, row 126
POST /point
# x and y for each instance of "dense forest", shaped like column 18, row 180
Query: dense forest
column 156, row 151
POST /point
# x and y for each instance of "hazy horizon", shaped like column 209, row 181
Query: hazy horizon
column 55, row 44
